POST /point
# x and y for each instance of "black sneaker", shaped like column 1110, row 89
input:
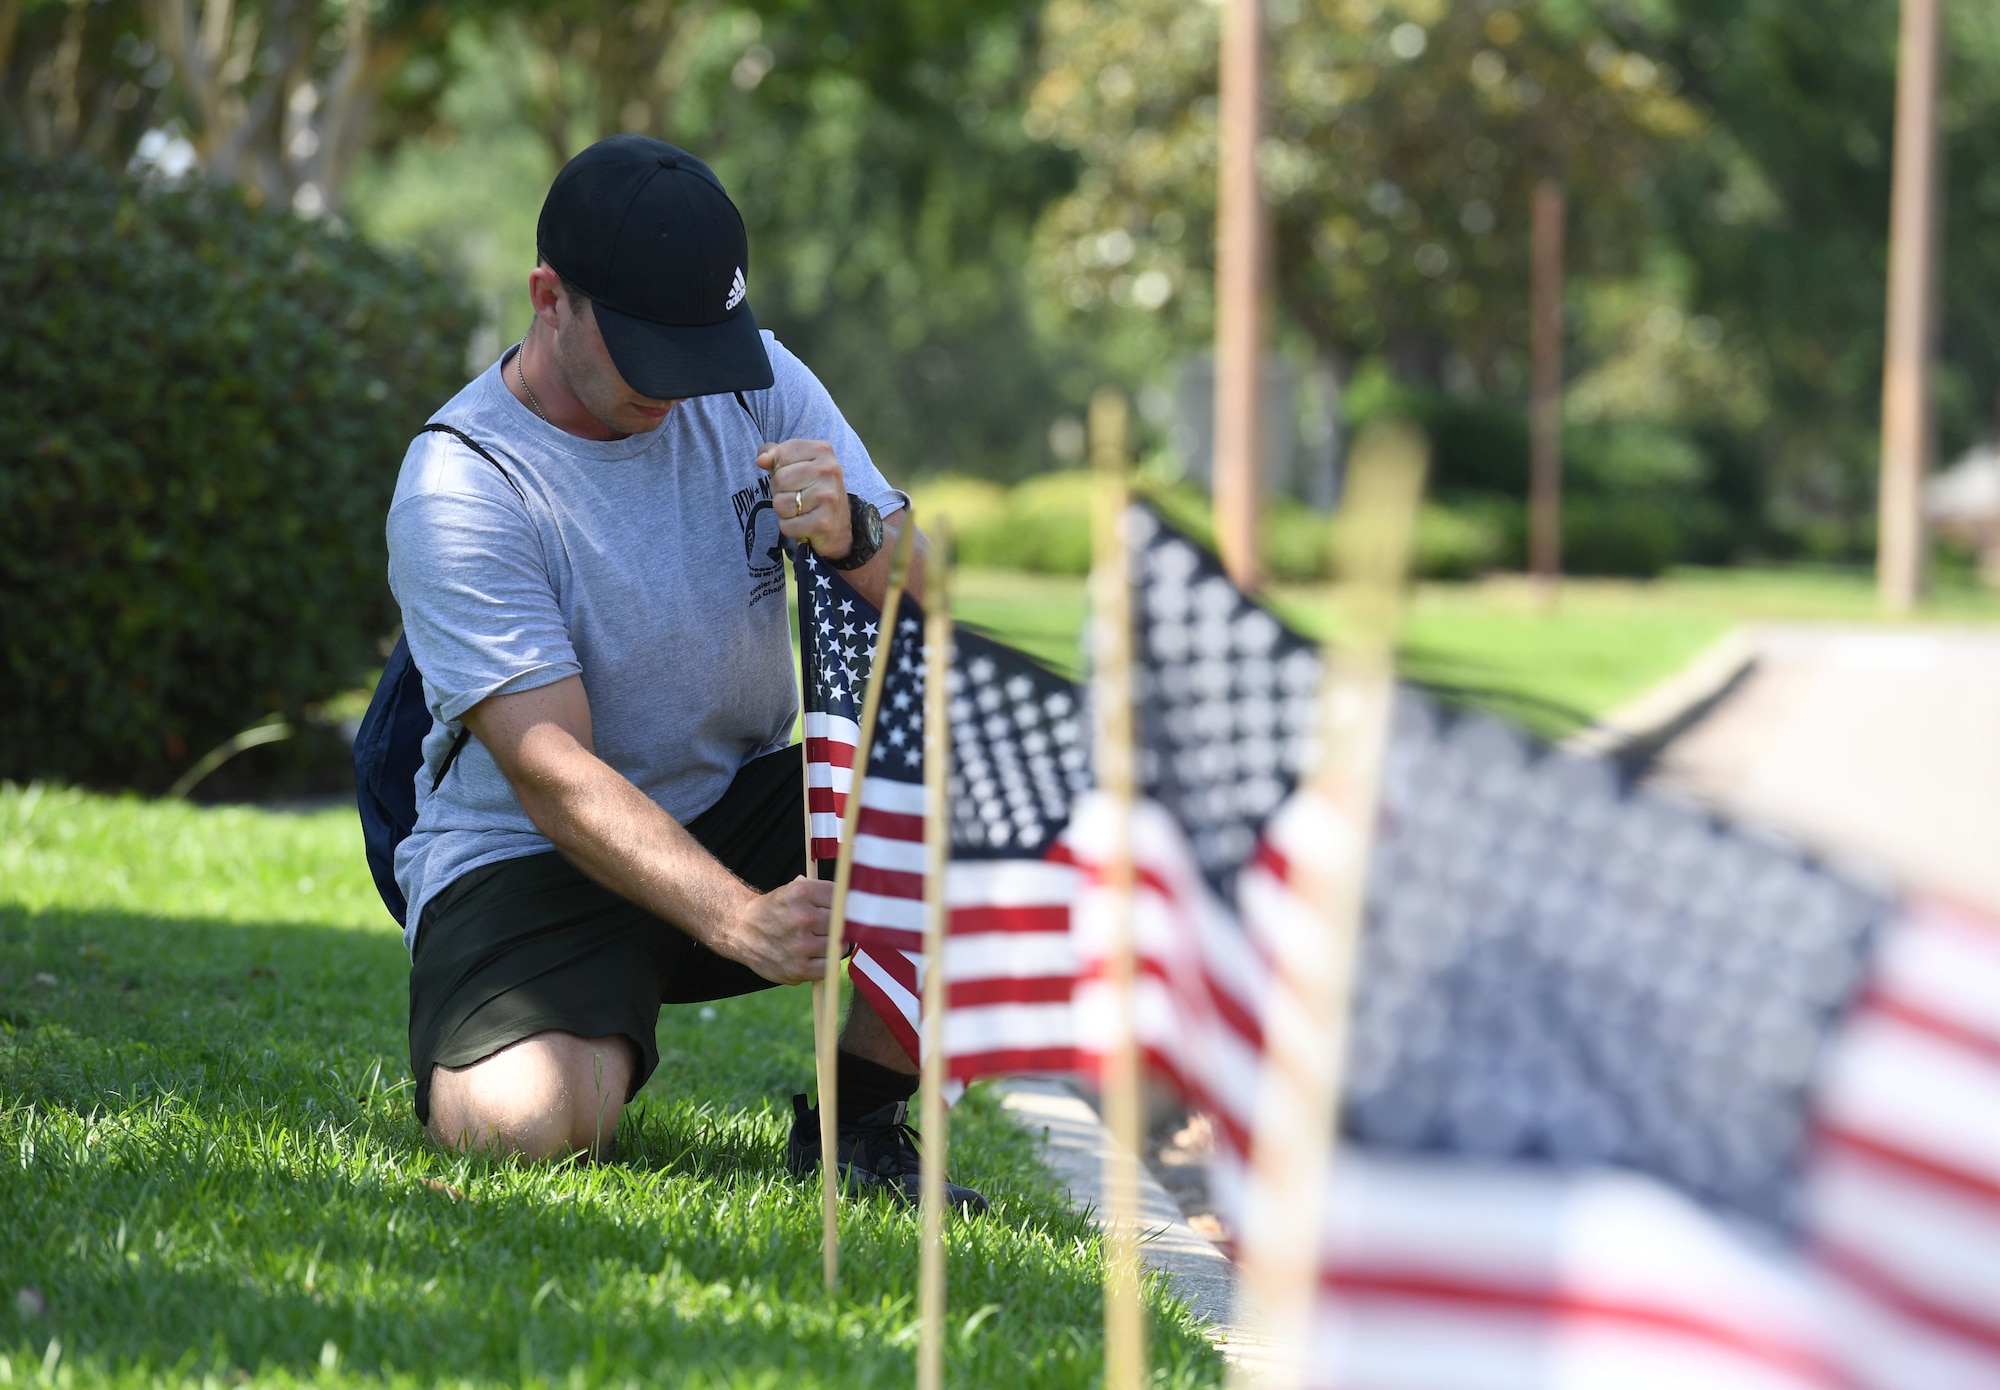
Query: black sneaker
column 878, row 1153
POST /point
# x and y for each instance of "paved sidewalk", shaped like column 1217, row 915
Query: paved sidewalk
column 1880, row 747
column 1074, row 1145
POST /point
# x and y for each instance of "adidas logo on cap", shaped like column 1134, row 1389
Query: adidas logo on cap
column 737, row 290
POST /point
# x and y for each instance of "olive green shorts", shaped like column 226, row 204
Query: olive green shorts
column 532, row 945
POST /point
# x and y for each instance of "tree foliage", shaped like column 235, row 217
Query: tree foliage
column 893, row 220
column 1727, row 164
column 1401, row 147
column 965, row 214
column 277, row 97
column 77, row 79
column 877, row 155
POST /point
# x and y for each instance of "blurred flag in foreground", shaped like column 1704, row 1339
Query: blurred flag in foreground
column 1227, row 701
column 1635, row 1098
column 1640, row 1099
column 1227, row 713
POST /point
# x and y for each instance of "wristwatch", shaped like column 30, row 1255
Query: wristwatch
column 867, row 534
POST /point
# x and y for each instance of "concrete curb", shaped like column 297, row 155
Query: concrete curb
column 1635, row 732
column 1074, row 1143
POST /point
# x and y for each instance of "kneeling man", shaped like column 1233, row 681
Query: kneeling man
column 598, row 600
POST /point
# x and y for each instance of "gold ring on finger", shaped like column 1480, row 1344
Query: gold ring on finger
column 799, row 503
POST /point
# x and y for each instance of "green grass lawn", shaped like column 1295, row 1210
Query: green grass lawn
column 210, row 1172
column 1553, row 667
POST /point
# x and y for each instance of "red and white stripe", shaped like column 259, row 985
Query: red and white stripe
column 1011, row 966
column 830, row 744
column 1199, row 987
column 885, row 896
column 1452, row 1275
column 1903, row 1193
column 1009, row 960
column 885, row 903
column 1010, row 963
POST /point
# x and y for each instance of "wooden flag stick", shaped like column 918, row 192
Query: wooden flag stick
column 1111, row 696
column 805, row 765
column 827, row 1018
column 1306, row 1025
column 937, row 847
column 822, row 1067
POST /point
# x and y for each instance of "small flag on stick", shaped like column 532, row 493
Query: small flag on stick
column 826, row 1004
column 1111, row 696
column 937, row 847
column 1312, row 953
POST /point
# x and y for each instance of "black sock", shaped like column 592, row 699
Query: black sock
column 867, row 1086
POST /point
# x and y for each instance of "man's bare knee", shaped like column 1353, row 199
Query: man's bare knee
column 547, row 1096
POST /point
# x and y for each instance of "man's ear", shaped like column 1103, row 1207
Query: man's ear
column 544, row 289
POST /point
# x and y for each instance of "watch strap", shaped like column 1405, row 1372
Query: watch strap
column 864, row 540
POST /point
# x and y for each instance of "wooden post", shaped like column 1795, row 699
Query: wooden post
column 827, row 1019
column 1111, row 697
column 1901, row 547
column 1546, row 412
column 937, row 854
column 1296, row 1121
column 1238, row 453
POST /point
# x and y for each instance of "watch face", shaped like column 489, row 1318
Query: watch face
column 874, row 529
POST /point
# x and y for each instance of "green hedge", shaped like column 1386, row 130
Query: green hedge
column 1636, row 497
column 1043, row 525
column 202, row 411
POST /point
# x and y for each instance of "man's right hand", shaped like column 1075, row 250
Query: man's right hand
column 782, row 934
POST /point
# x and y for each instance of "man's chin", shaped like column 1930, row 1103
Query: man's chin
column 626, row 420
column 639, row 419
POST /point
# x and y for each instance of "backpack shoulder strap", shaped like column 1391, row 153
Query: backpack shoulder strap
column 434, row 427
column 458, row 741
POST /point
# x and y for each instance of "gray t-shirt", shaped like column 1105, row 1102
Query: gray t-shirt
column 652, row 566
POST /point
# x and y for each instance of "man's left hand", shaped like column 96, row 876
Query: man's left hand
column 809, row 494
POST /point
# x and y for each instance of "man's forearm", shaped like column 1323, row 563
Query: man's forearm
column 615, row 833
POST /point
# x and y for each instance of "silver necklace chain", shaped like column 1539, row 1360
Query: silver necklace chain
column 522, row 372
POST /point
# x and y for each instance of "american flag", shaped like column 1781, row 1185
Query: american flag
column 1651, row 1099
column 1635, row 1098
column 1018, row 762
column 837, row 630
column 1226, row 705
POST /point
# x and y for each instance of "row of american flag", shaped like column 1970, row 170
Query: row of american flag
column 1635, row 1098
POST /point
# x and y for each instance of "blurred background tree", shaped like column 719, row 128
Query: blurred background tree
column 1783, row 230
column 877, row 154
column 965, row 215
column 277, row 97
column 1401, row 148
column 963, row 212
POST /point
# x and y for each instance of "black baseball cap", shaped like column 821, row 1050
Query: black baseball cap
column 646, row 231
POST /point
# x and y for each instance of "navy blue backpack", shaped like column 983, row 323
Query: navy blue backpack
column 389, row 747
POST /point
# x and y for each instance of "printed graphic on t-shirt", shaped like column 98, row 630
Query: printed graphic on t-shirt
column 763, row 543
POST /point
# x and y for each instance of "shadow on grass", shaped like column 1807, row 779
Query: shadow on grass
column 214, row 1169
